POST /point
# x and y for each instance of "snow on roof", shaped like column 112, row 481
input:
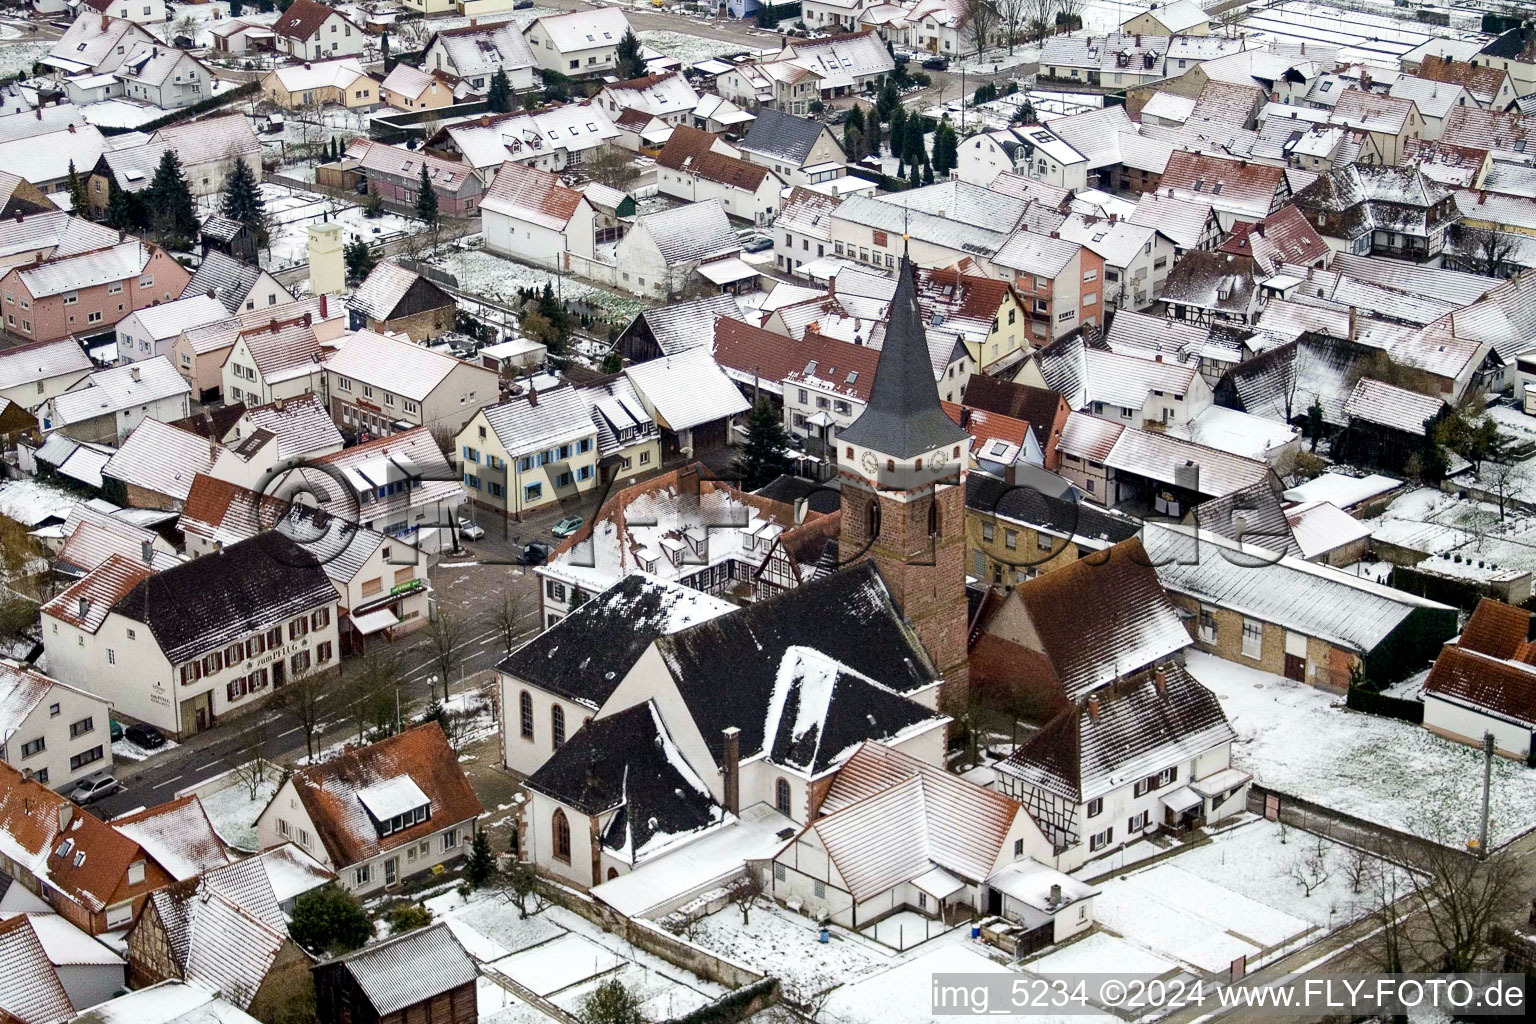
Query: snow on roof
column 1398, row 408
column 169, row 1002
column 162, row 458
column 68, row 946
column 379, row 294
column 86, row 270
column 392, row 798
column 1169, row 106
column 42, row 361
column 1182, row 219
column 336, row 74
column 178, row 835
column 401, row 367
column 491, row 141
column 449, row 175
column 224, row 135
column 525, row 192
column 687, row 390
column 1033, row 884
column 56, row 230
column 168, row 319
column 1314, row 600
column 582, row 30
column 1170, row 460
column 1177, row 16
column 94, row 537
column 302, row 426
column 482, row 50
column 108, row 392
column 1320, row 527
column 30, row 988
column 537, row 422
column 903, row 993
column 658, row 95
column 1239, row 433
column 692, row 233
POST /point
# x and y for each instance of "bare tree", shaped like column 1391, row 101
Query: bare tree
column 1071, row 11
column 1491, row 253
column 1385, row 907
column 447, row 630
column 520, row 885
column 509, row 616
column 744, row 892
column 1041, row 15
column 983, row 17
column 252, row 764
column 611, row 166
column 1013, row 14
column 369, row 687
column 301, row 697
column 1310, row 869
column 1507, row 478
column 1357, row 869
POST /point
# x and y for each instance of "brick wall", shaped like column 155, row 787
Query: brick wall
column 423, row 326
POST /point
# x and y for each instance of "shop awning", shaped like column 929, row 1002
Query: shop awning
column 1181, row 800
column 368, row 623
column 938, row 883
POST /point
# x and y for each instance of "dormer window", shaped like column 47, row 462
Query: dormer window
column 395, row 805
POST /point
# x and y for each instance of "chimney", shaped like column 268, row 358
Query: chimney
column 106, row 22
column 66, row 814
column 279, row 403
column 474, row 22
column 731, row 768
column 533, row 395
column 325, row 307
column 85, row 605
column 272, row 325
column 147, row 551
column 1138, row 39
column 39, row 113
column 1351, row 323
column 1055, row 894
column 1482, row 197
column 1157, row 357
column 211, row 295
column 133, row 373
column 307, row 320
column 1093, row 705
column 1160, row 681
column 71, row 129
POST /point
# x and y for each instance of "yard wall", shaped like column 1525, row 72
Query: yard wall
column 1336, row 825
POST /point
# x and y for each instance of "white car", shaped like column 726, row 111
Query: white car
column 471, row 530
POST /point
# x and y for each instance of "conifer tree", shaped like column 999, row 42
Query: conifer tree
column 627, row 60
column 243, row 201
column 762, row 458
column 499, row 98
column 426, row 200
column 76, row 191
column 174, row 215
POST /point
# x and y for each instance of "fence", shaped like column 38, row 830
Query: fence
column 1381, row 840
column 1385, row 705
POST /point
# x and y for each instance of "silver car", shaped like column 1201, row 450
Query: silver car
column 93, row 788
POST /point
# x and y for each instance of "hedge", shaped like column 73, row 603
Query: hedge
column 185, row 113
column 1385, row 705
column 731, row 1007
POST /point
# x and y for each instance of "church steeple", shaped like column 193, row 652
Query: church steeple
column 903, row 418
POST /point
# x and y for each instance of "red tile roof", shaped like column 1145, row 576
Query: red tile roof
column 1285, row 236
column 751, row 350
column 102, row 588
column 1213, row 176
column 1496, row 629
column 522, row 190
column 1466, row 677
column 304, row 19
column 1482, row 81
column 688, row 150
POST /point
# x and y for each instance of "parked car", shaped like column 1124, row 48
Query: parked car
column 471, row 530
column 114, row 729
column 936, row 64
column 536, row 553
column 522, row 5
column 758, row 244
column 570, row 524
column 901, row 58
column 94, row 787
column 146, row 736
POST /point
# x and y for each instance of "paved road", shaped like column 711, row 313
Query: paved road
column 468, row 583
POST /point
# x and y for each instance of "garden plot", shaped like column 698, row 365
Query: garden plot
column 480, row 273
column 498, row 1006
column 781, row 943
column 490, row 927
column 993, row 61
column 688, row 48
column 290, row 212
column 661, row 997
column 18, row 58
column 1099, row 952
column 1301, row 741
column 557, row 964
column 905, row 929
column 1168, row 928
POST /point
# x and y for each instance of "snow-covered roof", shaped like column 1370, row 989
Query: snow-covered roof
column 170, row 1002
column 1170, row 460
column 107, row 392
column 474, row 50
column 1343, row 491
column 41, row 361
column 29, row 985
column 302, row 426
column 582, row 30
column 657, row 95
column 382, row 290
column 1239, row 433
column 1374, row 401
column 86, row 270
column 1320, row 527
column 168, row 319
column 687, row 390
column 536, row 422
column 335, row 74
column 524, row 192
column 1177, row 16
column 491, row 141
column 692, row 233
column 401, row 367
column 178, row 835
column 161, row 458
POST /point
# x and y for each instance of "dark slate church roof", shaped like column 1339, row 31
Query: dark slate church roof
column 201, row 605
column 735, row 670
column 585, row 655
column 628, row 761
column 1066, row 516
column 903, row 418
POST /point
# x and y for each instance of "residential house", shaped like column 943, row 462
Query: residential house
column 1113, row 61
column 946, row 848
column 691, row 399
column 1390, row 120
column 285, row 359
column 239, row 286
column 394, row 300
column 550, row 139
column 20, row 196
column 32, row 375
column 317, row 84
column 39, row 150
column 1190, row 223
column 196, row 640
column 310, row 29
column 302, row 427
column 1176, row 18
column 1136, row 258
column 669, row 330
column 1380, row 211
column 667, row 96
column 1514, row 52
column 208, row 148
column 803, row 231
column 1236, row 189
column 1387, row 425
column 47, row 957
column 1307, row 622
column 185, row 933
column 1059, row 282
column 159, row 75
column 201, row 352
column 400, row 485
column 411, row 89
column 95, row 44
column 533, row 450
column 1432, row 99
column 691, row 167
column 109, row 404
column 140, row 12
column 423, row 974
column 91, row 537
column 178, row 835
column 799, row 150
column 1019, row 528
column 528, row 213
column 1129, row 388
column 170, row 1002
column 1042, row 411
column 1213, row 287
column 622, row 789
column 577, row 43
column 474, row 53
column 26, row 235
column 50, row 731
column 1283, row 238
column 380, row 814
column 384, row 385
column 660, row 254
column 1483, row 681
column 715, row 113
column 394, row 173
column 153, row 331
column 88, row 292
column 89, row 873
column 619, row 540
column 835, row 15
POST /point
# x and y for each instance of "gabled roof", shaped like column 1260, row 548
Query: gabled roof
column 1285, row 236
column 1493, row 130
column 688, row 150
column 1227, row 184
column 688, row 324
column 583, row 30
column 1373, row 401
column 1497, row 629
column 178, row 835
column 1087, row 524
column 397, row 161
column 301, row 424
column 380, row 293
column 1183, row 220
column 227, row 278
column 750, row 354
column 85, row 270
column 93, row 538
column 691, row 233
column 890, row 817
column 903, row 417
column 476, row 50
column 1177, row 15
column 687, row 390
column 335, row 74
column 98, row 591
column 202, row 605
column 1122, row 734
column 413, row 968
column 329, row 791
column 1372, row 111
column 224, row 136
column 537, row 421
column 57, row 230
column 406, row 369
column 782, row 135
column 1506, row 688
column 585, row 655
column 30, row 988
column 304, row 18
column 525, row 192
column 108, row 392
column 658, row 95
column 42, row 361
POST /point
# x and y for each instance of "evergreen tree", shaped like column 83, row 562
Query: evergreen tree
column 482, row 864
column 627, row 60
column 125, row 212
column 872, row 136
column 927, row 173
column 360, row 260
column 243, row 201
column 611, row 1003
column 762, row 458
column 499, row 99
column 426, row 199
column 389, row 62
column 329, row 920
column 915, row 177
column 76, row 191
column 175, row 216
column 236, row 8
column 1315, row 424
column 898, row 136
column 853, row 133
column 888, row 100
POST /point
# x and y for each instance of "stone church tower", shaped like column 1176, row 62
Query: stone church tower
column 902, row 469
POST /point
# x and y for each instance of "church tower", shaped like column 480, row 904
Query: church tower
column 902, row 469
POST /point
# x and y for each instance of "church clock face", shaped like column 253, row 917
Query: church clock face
column 870, row 463
column 940, row 459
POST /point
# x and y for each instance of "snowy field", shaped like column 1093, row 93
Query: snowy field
column 1379, row 769
column 1359, row 36
column 688, row 48
column 17, row 58
column 780, row 942
column 498, row 280
column 233, row 813
column 291, row 211
column 904, row 930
